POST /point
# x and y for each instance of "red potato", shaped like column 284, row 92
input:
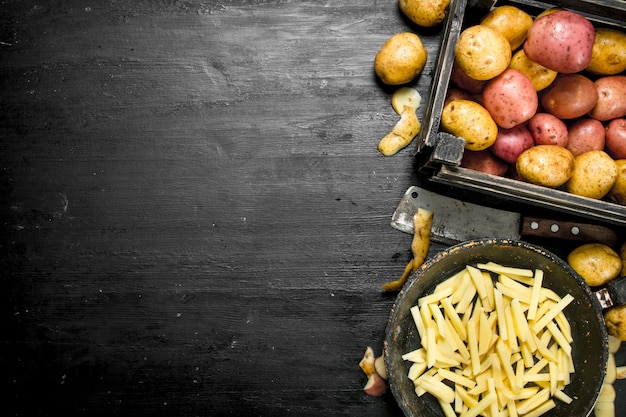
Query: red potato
column 510, row 143
column 611, row 103
column 570, row 96
column 547, row 129
column 510, row 98
column 615, row 141
column 585, row 135
column 561, row 41
column 464, row 81
column 456, row 93
column 513, row 174
column 484, row 161
column 375, row 386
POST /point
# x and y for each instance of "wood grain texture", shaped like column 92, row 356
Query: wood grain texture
column 195, row 219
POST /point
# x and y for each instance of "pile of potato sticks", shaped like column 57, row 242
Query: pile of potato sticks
column 490, row 348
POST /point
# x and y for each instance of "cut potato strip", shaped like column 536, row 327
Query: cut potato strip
column 481, row 406
column 456, row 281
column 542, row 409
column 439, row 319
column 465, row 300
column 513, row 294
column 417, row 355
column 419, row 323
column 535, row 294
column 499, row 304
column 495, row 342
column 459, row 344
column 525, row 406
column 559, row 337
column 472, row 336
column 500, row 269
column 565, row 327
column 456, row 378
column 489, row 302
column 436, row 296
column 454, row 318
column 448, row 411
column 479, row 282
column 520, row 291
column 437, row 388
column 550, row 315
column 464, row 284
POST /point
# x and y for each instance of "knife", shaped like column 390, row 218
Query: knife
column 456, row 221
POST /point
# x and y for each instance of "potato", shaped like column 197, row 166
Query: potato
column 585, row 135
column 593, row 175
column 511, row 22
column 464, row 82
column 570, row 96
column 426, row 13
column 510, row 143
column 484, row 161
column 615, row 319
column 561, row 41
column 401, row 59
column 547, row 129
column 617, row 194
column 611, row 102
column 482, row 52
column 615, row 141
column 540, row 76
column 470, row 121
column 608, row 56
column 456, row 93
column 622, row 255
column 510, row 98
column 547, row 165
column 596, row 263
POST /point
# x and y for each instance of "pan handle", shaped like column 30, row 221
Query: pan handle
column 613, row 294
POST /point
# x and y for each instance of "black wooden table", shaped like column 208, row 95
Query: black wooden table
column 195, row 218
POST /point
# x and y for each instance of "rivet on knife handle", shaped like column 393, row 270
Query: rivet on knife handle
column 568, row 230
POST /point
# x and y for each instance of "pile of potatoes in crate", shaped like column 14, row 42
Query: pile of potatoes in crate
column 541, row 99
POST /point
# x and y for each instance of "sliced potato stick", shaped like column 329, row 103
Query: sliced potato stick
column 500, row 269
column 550, row 315
column 534, row 295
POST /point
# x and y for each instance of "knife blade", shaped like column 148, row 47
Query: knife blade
column 456, row 221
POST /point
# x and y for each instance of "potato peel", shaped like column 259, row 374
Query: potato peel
column 422, row 225
column 405, row 101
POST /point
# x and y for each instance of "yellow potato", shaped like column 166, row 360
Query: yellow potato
column 540, row 76
column 470, row 121
column 547, row 165
column 593, row 176
column 401, row 58
column 596, row 263
column 482, row 52
column 608, row 56
column 426, row 13
column 511, row 22
column 617, row 194
column 615, row 319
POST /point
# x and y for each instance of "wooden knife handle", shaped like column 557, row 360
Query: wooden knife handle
column 567, row 230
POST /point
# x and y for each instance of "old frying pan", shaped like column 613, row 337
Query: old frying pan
column 589, row 350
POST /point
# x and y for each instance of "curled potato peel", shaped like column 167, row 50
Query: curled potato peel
column 405, row 101
column 422, row 224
